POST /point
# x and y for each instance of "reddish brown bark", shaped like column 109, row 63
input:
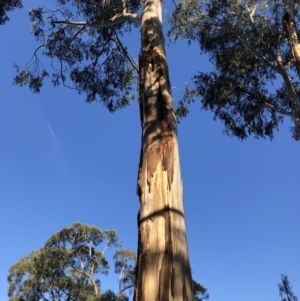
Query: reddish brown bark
column 163, row 270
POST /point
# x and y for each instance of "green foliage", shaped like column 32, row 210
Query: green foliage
column 6, row 6
column 252, row 61
column 125, row 260
column 67, row 267
column 285, row 290
column 88, row 58
column 111, row 296
column 200, row 292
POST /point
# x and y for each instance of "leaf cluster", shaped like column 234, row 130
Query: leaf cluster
column 285, row 290
column 250, row 55
column 90, row 59
column 200, row 292
column 5, row 7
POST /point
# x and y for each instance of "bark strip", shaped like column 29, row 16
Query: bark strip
column 289, row 26
column 163, row 271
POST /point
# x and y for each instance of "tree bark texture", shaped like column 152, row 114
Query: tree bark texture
column 289, row 26
column 163, row 271
column 294, row 102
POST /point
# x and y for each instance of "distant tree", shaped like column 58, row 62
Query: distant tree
column 6, row 6
column 67, row 268
column 111, row 296
column 285, row 290
column 200, row 291
column 90, row 56
column 255, row 50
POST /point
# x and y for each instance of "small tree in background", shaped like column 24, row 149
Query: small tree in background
column 68, row 267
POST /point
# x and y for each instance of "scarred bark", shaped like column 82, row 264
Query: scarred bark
column 289, row 25
column 163, row 270
column 294, row 102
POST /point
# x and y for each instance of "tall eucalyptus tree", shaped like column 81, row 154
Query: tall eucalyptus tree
column 255, row 50
column 68, row 267
column 92, row 58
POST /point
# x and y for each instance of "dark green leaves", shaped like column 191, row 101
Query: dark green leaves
column 33, row 79
column 285, row 290
column 251, row 85
column 85, row 55
column 200, row 291
column 5, row 7
column 68, row 266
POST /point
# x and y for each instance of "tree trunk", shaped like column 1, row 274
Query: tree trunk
column 163, row 271
column 294, row 102
column 289, row 25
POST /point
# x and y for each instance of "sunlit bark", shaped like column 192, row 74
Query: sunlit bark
column 289, row 25
column 291, row 30
column 163, row 270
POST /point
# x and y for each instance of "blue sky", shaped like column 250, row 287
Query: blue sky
column 63, row 160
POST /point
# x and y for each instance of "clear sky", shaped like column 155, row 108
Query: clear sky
column 63, row 160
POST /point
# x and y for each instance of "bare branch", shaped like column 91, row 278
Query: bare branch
column 72, row 39
column 251, row 10
column 123, row 289
column 266, row 103
column 62, row 75
column 117, row 19
column 272, row 106
column 34, row 54
column 130, row 59
column 275, row 108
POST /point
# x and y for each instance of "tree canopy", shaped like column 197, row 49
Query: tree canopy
column 90, row 56
column 5, row 7
column 69, row 265
column 253, row 46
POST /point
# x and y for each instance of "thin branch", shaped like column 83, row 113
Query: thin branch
column 59, row 31
column 105, row 247
column 117, row 19
column 124, row 6
column 278, row 109
column 62, row 75
column 250, row 10
column 34, row 54
column 266, row 103
column 130, row 59
column 72, row 39
column 123, row 289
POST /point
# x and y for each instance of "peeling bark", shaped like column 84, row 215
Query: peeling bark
column 294, row 103
column 163, row 270
column 289, row 26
